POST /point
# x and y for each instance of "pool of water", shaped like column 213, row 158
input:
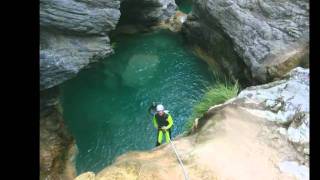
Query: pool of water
column 105, row 106
column 184, row 5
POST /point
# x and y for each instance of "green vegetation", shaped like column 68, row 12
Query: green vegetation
column 113, row 45
column 217, row 94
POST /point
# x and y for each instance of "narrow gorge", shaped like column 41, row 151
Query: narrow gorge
column 103, row 62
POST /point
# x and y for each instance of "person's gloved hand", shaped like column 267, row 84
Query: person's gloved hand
column 164, row 128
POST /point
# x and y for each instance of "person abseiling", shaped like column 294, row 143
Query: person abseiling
column 163, row 122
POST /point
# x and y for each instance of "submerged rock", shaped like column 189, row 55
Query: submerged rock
column 140, row 69
column 270, row 37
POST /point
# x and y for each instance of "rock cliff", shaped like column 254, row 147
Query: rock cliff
column 73, row 33
column 268, row 37
column 57, row 146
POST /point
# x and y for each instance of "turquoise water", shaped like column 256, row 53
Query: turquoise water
column 184, row 5
column 105, row 106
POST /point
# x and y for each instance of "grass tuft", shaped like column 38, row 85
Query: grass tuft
column 217, row 94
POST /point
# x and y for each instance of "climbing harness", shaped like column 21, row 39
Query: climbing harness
column 180, row 162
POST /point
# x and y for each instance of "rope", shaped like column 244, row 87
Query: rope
column 180, row 162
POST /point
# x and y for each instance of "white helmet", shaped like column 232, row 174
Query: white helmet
column 160, row 107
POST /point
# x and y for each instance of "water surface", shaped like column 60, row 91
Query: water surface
column 105, row 106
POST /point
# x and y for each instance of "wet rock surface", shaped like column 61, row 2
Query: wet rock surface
column 57, row 146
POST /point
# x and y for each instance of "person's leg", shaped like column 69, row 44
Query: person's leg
column 157, row 143
column 167, row 136
column 160, row 134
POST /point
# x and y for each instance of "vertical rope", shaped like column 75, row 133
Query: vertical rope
column 180, row 162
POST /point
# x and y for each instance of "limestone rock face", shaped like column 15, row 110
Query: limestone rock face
column 57, row 146
column 300, row 171
column 73, row 33
column 271, row 37
column 86, row 176
column 147, row 11
column 285, row 102
column 174, row 23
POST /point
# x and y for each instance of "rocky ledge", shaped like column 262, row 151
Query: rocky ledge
column 286, row 103
column 263, row 133
column 266, row 37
